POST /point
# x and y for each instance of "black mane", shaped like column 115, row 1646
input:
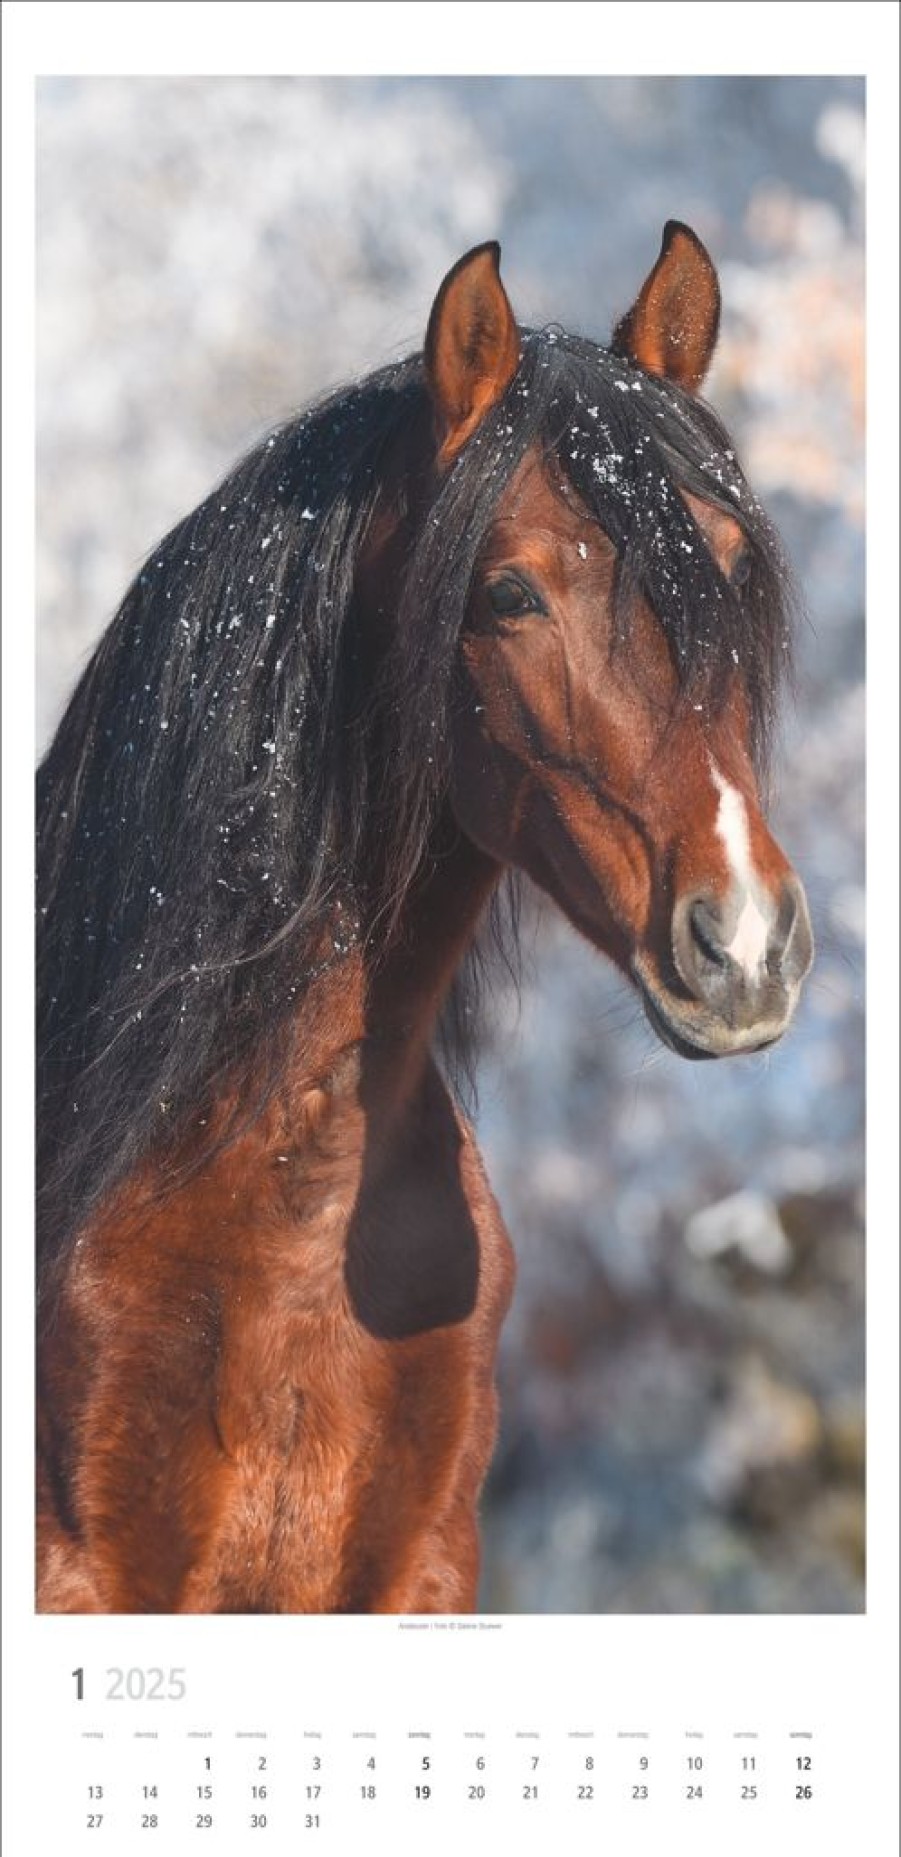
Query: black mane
column 233, row 797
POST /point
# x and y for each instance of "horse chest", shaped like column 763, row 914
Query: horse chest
column 304, row 1424
column 358, row 1439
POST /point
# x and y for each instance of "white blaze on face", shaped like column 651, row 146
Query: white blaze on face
column 749, row 942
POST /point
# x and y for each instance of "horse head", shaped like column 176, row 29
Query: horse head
column 620, row 649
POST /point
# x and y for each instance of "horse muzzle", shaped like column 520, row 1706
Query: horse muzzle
column 737, row 966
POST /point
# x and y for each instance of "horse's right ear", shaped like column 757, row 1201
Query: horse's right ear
column 471, row 347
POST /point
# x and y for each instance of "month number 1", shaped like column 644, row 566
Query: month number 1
column 152, row 1685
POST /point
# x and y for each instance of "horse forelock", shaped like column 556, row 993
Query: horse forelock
column 631, row 447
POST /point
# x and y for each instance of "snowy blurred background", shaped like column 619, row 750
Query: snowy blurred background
column 682, row 1373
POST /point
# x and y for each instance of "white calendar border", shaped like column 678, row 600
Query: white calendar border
column 854, row 1658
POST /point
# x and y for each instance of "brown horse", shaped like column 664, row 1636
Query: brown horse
column 507, row 604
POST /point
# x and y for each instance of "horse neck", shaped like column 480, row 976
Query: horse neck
column 364, row 1033
column 410, row 984
column 362, row 1040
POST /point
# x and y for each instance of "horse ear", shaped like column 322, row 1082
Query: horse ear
column 471, row 347
column 672, row 326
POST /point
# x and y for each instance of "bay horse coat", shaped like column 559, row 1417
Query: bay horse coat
column 509, row 605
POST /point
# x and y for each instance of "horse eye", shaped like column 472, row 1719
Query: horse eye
column 741, row 572
column 510, row 596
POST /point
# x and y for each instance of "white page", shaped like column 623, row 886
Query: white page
column 609, row 1651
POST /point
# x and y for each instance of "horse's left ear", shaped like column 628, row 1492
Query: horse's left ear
column 672, row 326
column 471, row 347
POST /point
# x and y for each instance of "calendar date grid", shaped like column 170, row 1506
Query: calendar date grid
column 148, row 1786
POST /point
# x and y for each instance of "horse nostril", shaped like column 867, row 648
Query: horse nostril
column 701, row 959
column 706, row 931
column 782, row 934
column 790, row 949
column 733, row 954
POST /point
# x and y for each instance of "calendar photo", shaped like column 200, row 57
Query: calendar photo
column 449, row 1157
